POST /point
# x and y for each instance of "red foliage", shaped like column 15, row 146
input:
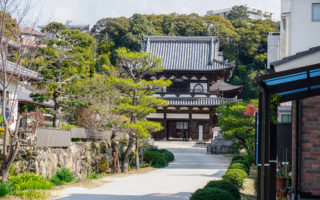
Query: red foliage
column 251, row 109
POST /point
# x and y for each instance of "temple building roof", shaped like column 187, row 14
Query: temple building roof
column 187, row 53
column 198, row 101
column 221, row 86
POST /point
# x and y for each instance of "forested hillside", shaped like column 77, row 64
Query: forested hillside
column 242, row 40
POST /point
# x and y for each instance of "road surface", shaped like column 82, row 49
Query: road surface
column 191, row 170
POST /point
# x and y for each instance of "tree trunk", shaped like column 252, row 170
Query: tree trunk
column 137, row 154
column 56, row 115
column 125, row 164
column 115, row 154
column 4, row 171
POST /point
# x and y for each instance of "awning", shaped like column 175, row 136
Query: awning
column 293, row 84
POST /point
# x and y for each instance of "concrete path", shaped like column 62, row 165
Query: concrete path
column 192, row 169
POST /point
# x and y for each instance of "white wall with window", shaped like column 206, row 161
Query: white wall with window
column 303, row 22
column 199, row 87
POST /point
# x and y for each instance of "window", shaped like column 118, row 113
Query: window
column 284, row 23
column 316, row 12
column 198, row 88
column 285, row 118
column 182, row 125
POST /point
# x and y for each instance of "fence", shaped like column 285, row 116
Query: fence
column 62, row 138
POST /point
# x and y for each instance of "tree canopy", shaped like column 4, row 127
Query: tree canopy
column 241, row 39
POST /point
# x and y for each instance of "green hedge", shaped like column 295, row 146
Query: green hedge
column 237, row 157
column 239, row 166
column 246, row 163
column 169, row 155
column 211, row 194
column 225, row 185
column 234, row 176
column 156, row 159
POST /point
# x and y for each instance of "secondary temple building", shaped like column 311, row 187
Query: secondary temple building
column 198, row 74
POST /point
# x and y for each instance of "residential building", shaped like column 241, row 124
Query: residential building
column 297, row 47
column 198, row 74
column 253, row 13
column 19, row 88
column 31, row 38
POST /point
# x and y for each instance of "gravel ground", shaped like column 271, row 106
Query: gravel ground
column 192, row 169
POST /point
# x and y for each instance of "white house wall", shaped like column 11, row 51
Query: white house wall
column 304, row 33
column 13, row 104
column 306, row 60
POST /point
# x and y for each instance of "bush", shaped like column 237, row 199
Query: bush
column 95, row 176
column 239, row 171
column 237, row 157
column 225, row 185
column 64, row 175
column 30, row 181
column 55, row 181
column 246, row 163
column 250, row 158
column 5, row 189
column 234, row 176
column 30, row 194
column 211, row 194
column 169, row 155
column 240, row 166
column 103, row 165
column 156, row 159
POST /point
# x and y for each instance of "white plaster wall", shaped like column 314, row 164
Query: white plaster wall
column 200, row 116
column 155, row 116
column 304, row 32
column 273, row 48
column 310, row 59
column 177, row 116
column 13, row 89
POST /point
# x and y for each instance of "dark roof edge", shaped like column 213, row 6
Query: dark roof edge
column 180, row 38
column 297, row 55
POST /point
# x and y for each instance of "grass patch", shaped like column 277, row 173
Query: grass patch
column 248, row 192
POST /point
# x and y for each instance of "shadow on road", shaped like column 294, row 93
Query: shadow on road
column 180, row 196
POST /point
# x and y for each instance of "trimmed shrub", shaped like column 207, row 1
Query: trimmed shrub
column 211, row 194
column 246, row 163
column 5, row 189
column 156, row 159
column 169, row 155
column 239, row 166
column 227, row 186
column 235, row 177
column 239, row 171
column 249, row 158
column 30, row 181
column 237, row 157
column 64, row 175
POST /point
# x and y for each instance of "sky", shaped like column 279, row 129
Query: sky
column 90, row 11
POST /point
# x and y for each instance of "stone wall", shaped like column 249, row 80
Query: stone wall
column 81, row 158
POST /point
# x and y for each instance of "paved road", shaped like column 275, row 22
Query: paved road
column 192, row 169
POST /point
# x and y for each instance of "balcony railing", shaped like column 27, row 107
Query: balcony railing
column 181, row 91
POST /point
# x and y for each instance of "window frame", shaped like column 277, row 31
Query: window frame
column 312, row 12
